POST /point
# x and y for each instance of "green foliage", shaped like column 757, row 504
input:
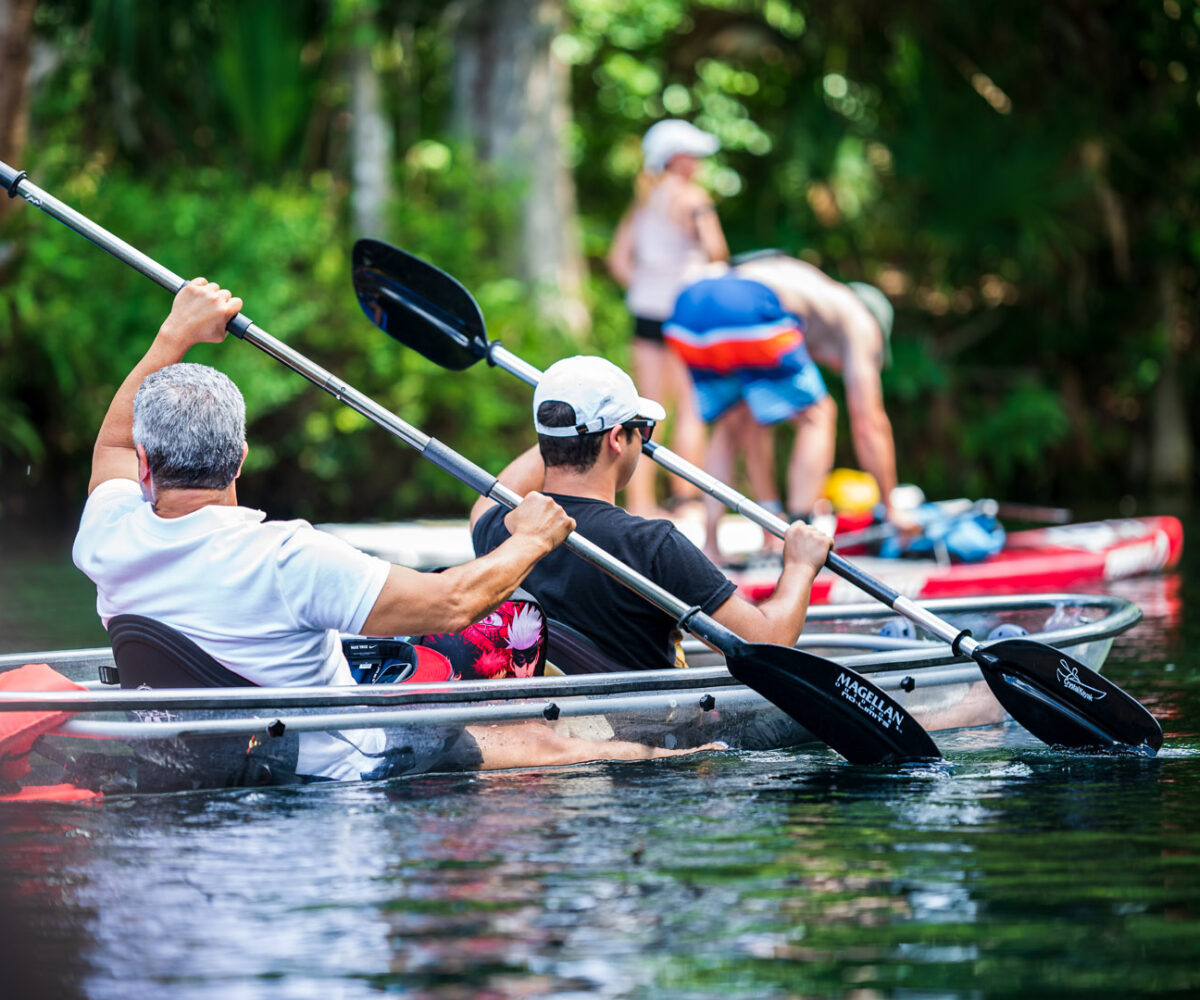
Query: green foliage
column 992, row 175
column 262, row 82
column 1024, row 188
column 1010, row 433
column 205, row 82
column 78, row 321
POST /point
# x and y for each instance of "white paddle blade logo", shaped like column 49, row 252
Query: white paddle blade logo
column 1068, row 677
column 868, row 702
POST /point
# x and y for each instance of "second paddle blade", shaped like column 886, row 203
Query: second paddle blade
column 1064, row 702
column 835, row 704
column 418, row 304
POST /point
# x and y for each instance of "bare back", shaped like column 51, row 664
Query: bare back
column 839, row 331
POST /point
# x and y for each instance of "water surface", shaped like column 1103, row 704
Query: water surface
column 1011, row 871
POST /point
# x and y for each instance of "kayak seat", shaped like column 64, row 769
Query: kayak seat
column 151, row 654
column 574, row 653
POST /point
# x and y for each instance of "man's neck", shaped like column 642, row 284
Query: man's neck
column 171, row 503
column 593, row 484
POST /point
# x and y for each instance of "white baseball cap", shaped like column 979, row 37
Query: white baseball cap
column 673, row 136
column 601, row 395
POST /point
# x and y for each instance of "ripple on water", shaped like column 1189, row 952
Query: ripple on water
column 1010, row 870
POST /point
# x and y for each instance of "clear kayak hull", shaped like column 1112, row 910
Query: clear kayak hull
column 119, row 740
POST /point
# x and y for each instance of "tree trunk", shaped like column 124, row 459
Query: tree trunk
column 511, row 99
column 16, row 43
column 371, row 141
column 1171, row 448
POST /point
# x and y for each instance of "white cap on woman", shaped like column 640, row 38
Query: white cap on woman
column 673, row 136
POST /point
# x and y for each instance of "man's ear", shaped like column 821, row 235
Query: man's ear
column 245, row 452
column 616, row 439
column 143, row 464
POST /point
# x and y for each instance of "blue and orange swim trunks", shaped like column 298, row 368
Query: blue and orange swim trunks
column 740, row 344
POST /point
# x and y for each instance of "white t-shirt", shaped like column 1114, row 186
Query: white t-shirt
column 266, row 599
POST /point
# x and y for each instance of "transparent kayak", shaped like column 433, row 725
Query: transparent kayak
column 161, row 740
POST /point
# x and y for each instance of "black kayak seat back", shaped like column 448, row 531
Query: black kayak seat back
column 149, row 653
column 574, row 653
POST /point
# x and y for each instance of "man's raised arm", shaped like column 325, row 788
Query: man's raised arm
column 199, row 314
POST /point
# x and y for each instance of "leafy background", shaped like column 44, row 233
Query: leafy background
column 1022, row 180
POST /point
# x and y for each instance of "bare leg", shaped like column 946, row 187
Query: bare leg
column 760, row 461
column 812, row 454
column 760, row 470
column 687, row 434
column 533, row 744
column 649, row 362
column 722, row 451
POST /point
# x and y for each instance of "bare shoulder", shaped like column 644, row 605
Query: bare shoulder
column 692, row 195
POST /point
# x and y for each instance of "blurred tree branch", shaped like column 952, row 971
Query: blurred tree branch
column 16, row 45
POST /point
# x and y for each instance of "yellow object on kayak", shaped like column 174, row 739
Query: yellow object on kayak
column 851, row 490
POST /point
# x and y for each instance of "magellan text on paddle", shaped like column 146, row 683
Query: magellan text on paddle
column 869, row 702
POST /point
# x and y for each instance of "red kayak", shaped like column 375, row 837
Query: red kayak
column 1040, row 559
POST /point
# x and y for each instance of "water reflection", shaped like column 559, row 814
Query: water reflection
column 45, row 942
column 738, row 875
column 1013, row 871
column 915, row 886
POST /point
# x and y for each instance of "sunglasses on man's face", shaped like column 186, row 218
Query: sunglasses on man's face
column 643, row 425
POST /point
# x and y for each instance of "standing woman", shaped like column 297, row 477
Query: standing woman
column 664, row 240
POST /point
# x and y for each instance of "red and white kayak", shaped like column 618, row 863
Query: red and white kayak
column 1039, row 559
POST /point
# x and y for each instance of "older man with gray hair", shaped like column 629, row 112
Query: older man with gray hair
column 203, row 451
column 162, row 536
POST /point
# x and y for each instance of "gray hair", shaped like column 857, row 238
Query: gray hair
column 191, row 419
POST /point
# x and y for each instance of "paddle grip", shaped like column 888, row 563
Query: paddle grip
column 462, row 469
column 240, row 325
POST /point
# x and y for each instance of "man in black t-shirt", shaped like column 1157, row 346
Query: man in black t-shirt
column 591, row 423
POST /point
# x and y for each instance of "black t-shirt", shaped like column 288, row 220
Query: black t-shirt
column 622, row 623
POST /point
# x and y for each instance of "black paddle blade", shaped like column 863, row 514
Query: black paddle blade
column 419, row 305
column 835, row 704
column 1064, row 702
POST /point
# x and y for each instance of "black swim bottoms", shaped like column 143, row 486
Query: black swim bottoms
column 648, row 329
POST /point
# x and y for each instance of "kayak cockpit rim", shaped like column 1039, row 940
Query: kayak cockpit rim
column 1114, row 616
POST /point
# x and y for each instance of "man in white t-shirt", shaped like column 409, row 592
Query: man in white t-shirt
column 162, row 536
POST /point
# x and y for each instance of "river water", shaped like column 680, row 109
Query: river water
column 1015, row 871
